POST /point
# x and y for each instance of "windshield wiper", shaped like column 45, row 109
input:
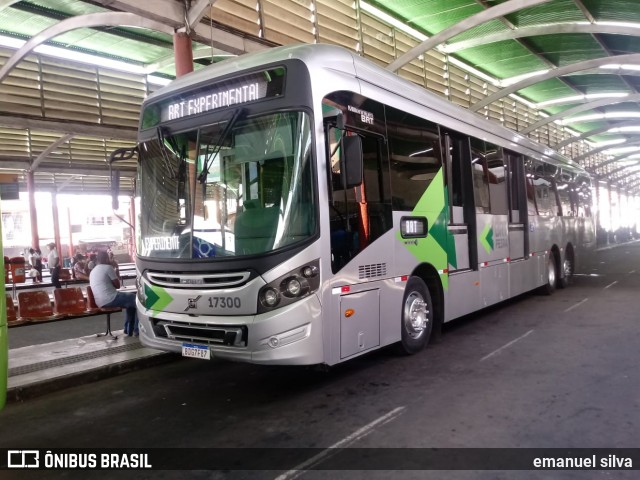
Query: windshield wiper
column 165, row 154
column 210, row 157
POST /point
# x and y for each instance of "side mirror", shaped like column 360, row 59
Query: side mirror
column 352, row 150
column 118, row 155
column 335, row 117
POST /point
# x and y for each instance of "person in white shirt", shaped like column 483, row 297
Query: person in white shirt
column 104, row 284
column 53, row 262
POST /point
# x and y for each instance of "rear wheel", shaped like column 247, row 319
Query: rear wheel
column 552, row 276
column 417, row 316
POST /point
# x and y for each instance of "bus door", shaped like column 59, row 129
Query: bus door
column 359, row 216
column 462, row 216
column 518, row 234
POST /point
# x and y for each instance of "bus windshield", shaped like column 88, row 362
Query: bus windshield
column 243, row 186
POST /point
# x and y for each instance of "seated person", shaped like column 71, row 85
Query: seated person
column 80, row 270
column 105, row 284
column 93, row 261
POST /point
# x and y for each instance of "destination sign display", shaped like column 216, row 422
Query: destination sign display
column 232, row 92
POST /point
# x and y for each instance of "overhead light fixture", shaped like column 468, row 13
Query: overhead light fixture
column 511, row 80
column 617, row 141
column 580, row 98
column 75, row 56
column 629, row 128
column 601, row 116
column 376, row 12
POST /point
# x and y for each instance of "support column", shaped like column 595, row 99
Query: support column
column 56, row 225
column 33, row 215
column 183, row 53
column 132, row 230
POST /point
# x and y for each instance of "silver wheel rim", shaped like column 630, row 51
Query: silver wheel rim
column 551, row 273
column 416, row 315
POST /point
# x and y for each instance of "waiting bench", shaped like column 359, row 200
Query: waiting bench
column 35, row 306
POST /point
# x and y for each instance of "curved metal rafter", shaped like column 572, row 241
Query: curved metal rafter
column 539, row 30
column 620, row 169
column 577, row 109
column 613, row 160
column 603, row 148
column 49, row 149
column 558, row 72
column 462, row 26
column 81, row 21
column 595, row 131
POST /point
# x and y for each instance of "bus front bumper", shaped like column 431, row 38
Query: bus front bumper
column 290, row 335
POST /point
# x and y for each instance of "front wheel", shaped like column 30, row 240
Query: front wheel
column 417, row 316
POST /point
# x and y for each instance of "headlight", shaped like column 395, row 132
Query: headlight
column 290, row 287
column 293, row 287
column 269, row 297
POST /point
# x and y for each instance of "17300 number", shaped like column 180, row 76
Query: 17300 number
column 224, row 302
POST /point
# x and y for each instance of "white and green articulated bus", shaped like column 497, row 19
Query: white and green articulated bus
column 301, row 205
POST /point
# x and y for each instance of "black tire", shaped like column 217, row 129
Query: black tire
column 552, row 276
column 567, row 270
column 416, row 316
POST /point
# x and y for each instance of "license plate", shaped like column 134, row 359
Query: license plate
column 196, row 351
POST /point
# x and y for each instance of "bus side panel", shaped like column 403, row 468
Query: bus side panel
column 463, row 296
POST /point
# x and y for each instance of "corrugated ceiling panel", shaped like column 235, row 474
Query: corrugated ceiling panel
column 377, row 41
column 459, row 91
column 337, row 23
column 14, row 143
column 69, row 92
column 288, row 21
column 239, row 14
column 547, row 13
column 415, row 70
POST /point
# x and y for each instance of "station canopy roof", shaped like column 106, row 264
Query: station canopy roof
column 75, row 72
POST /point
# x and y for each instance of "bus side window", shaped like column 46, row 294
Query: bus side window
column 479, row 173
column 414, row 148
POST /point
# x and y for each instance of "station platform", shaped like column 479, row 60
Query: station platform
column 52, row 356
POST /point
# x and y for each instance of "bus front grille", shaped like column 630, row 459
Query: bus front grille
column 201, row 333
column 198, row 280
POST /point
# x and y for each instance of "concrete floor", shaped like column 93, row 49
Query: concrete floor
column 552, row 372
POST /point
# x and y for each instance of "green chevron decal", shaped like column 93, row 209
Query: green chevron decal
column 157, row 298
column 486, row 238
column 438, row 247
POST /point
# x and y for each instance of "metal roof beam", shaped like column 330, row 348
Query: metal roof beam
column 10, row 164
column 61, row 126
column 613, row 172
column 171, row 13
column 45, row 153
column 197, row 11
column 595, row 131
column 462, row 26
column 613, row 160
column 558, row 72
column 577, row 109
column 603, row 148
column 81, row 21
column 553, row 29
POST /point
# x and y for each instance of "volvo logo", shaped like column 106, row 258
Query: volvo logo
column 192, row 303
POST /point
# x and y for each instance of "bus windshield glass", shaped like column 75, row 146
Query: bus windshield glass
column 243, row 186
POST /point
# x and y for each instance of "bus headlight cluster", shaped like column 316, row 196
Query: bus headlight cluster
column 291, row 287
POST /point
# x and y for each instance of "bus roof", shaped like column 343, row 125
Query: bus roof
column 340, row 59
